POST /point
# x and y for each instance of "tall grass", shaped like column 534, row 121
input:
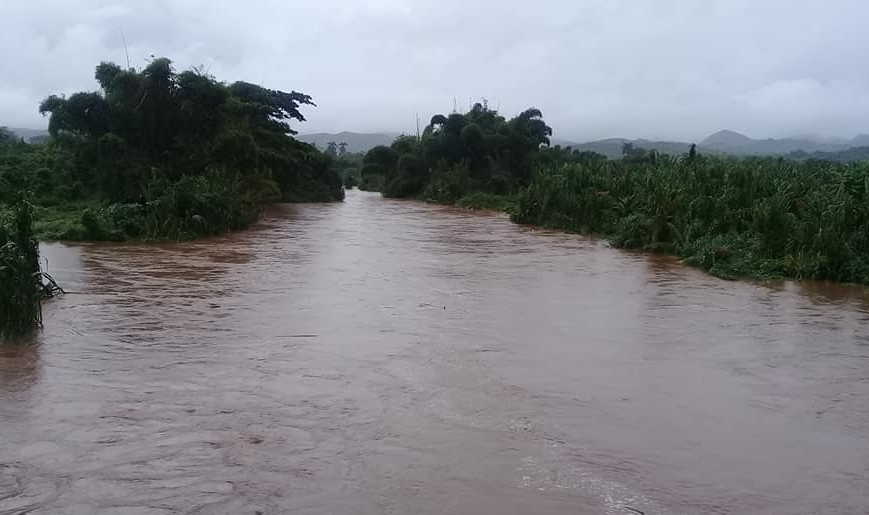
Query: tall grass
column 759, row 217
column 20, row 281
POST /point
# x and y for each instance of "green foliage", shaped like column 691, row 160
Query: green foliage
column 20, row 282
column 159, row 154
column 461, row 153
column 157, row 122
column 488, row 201
column 371, row 182
column 190, row 207
column 32, row 169
column 447, row 184
column 734, row 217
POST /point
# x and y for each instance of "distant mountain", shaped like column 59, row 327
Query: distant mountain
column 612, row 147
column 356, row 141
column 725, row 141
column 562, row 142
column 29, row 134
column 732, row 142
column 860, row 140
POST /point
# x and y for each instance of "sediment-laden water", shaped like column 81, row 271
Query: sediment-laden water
column 394, row 357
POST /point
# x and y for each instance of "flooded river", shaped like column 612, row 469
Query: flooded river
column 388, row 357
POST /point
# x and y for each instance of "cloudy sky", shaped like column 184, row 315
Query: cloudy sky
column 596, row 68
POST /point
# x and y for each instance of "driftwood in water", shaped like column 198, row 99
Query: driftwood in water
column 50, row 288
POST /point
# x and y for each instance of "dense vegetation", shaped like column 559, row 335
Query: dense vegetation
column 735, row 217
column 21, row 291
column 850, row 155
column 459, row 154
column 158, row 154
column 346, row 164
column 759, row 217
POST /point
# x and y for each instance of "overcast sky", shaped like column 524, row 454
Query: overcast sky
column 596, row 68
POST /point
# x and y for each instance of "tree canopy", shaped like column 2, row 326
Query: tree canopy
column 493, row 153
column 158, row 121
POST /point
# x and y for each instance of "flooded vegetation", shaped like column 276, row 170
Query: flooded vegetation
column 751, row 217
column 502, row 271
column 384, row 356
column 21, row 288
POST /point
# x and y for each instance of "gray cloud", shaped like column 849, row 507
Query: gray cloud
column 597, row 68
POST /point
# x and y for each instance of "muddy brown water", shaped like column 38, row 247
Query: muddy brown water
column 394, row 357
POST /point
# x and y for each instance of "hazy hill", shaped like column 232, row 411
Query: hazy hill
column 860, row 140
column 562, row 142
column 727, row 141
column 356, row 141
column 28, row 134
column 724, row 141
column 731, row 142
column 612, row 147
column 735, row 143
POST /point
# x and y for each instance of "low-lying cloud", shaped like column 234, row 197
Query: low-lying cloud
column 598, row 68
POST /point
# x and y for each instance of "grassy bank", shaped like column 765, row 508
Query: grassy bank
column 759, row 218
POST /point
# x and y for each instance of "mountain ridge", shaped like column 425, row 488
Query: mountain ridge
column 724, row 141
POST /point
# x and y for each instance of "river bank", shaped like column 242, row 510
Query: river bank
column 748, row 218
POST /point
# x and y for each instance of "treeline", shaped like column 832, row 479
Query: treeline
column 750, row 217
column 346, row 164
column 476, row 152
column 157, row 154
column 851, row 155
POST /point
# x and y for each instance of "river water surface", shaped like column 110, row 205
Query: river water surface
column 394, row 357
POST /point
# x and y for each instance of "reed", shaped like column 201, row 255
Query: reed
column 21, row 287
column 756, row 217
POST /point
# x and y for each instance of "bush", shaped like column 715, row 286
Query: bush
column 447, row 185
column 371, row 182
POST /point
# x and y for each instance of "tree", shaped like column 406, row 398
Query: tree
column 479, row 149
column 380, row 160
column 627, row 149
column 159, row 123
column 332, row 149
